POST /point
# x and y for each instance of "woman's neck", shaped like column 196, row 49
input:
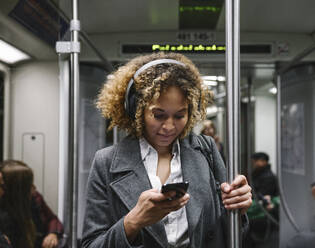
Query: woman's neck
column 164, row 151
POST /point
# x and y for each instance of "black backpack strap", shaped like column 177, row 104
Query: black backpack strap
column 206, row 149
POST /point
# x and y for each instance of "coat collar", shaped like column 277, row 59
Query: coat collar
column 127, row 155
column 135, row 180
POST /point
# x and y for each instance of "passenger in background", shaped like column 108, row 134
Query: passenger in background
column 264, row 214
column 208, row 128
column 48, row 228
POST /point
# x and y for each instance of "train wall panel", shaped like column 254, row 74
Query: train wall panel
column 35, row 142
column 35, row 109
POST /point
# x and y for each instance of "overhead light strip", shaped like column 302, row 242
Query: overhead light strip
column 10, row 54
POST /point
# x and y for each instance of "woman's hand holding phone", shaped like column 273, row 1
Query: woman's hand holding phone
column 152, row 206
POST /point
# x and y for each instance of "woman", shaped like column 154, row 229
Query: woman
column 157, row 99
column 49, row 229
column 16, row 217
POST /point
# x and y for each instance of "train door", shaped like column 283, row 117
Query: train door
column 296, row 144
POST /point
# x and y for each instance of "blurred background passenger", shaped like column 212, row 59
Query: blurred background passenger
column 48, row 228
column 264, row 212
column 209, row 129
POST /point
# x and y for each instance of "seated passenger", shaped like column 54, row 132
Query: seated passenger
column 48, row 228
column 15, row 210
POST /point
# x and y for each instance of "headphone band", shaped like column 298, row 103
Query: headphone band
column 156, row 62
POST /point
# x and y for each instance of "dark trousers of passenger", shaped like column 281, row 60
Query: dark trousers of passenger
column 262, row 236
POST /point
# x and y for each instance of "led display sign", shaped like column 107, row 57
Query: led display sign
column 199, row 8
column 204, row 13
column 195, row 49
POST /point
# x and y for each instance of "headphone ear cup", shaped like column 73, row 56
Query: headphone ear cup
column 131, row 100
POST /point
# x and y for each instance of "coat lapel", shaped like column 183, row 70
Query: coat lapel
column 133, row 182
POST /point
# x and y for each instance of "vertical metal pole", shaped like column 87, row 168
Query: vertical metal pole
column 64, row 116
column 232, row 72
column 249, row 125
column 75, row 117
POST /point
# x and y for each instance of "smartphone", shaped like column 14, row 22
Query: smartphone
column 179, row 188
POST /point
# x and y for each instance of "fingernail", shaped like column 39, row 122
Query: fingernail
column 226, row 188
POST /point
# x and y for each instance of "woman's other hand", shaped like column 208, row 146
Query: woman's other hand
column 50, row 241
column 237, row 195
column 152, row 206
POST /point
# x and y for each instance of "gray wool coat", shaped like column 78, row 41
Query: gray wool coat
column 117, row 179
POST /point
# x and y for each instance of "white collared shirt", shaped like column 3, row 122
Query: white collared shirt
column 176, row 225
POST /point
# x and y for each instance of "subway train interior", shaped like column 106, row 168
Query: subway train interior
column 276, row 85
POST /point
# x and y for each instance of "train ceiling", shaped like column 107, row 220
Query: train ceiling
column 101, row 17
column 295, row 16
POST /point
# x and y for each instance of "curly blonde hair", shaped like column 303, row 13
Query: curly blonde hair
column 150, row 84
